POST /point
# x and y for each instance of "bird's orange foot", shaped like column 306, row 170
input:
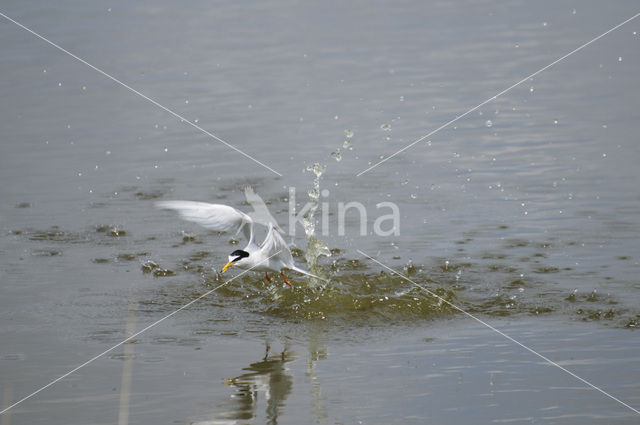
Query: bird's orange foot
column 285, row 279
column 266, row 275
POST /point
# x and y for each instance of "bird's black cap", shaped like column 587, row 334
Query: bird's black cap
column 238, row 253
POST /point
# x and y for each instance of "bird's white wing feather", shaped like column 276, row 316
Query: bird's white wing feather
column 218, row 217
column 274, row 243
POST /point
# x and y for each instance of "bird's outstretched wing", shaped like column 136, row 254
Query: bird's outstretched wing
column 218, row 217
column 261, row 213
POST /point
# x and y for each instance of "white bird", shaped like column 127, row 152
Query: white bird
column 272, row 255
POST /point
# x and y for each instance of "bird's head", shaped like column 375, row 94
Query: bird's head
column 234, row 258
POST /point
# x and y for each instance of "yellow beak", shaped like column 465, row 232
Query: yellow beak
column 226, row 266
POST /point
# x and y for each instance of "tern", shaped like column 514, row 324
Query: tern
column 272, row 255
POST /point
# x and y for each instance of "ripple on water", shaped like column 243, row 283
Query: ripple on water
column 360, row 295
column 499, row 282
column 55, row 234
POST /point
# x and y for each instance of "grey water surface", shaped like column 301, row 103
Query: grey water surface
column 525, row 213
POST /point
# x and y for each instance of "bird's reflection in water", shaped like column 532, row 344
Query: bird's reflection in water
column 269, row 383
column 266, row 381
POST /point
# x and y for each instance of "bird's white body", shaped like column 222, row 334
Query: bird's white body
column 272, row 255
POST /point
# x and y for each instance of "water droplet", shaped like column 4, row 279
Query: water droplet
column 555, row 121
column 405, row 182
column 619, row 58
column 401, row 98
column 531, row 89
column 336, row 117
column 166, row 149
column 386, row 127
column 84, row 87
column 604, row 155
column 317, row 169
column 544, row 24
column 348, row 133
column 196, row 120
column 336, row 155
column 186, row 101
column 59, row 84
column 573, row 12
column 414, row 196
column 346, row 144
column 489, row 123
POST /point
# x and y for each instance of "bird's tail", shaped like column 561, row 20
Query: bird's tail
column 299, row 270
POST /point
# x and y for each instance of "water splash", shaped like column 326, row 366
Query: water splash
column 315, row 247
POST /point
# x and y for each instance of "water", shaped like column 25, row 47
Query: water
column 529, row 223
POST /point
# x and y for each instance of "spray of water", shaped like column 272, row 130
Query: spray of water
column 315, row 247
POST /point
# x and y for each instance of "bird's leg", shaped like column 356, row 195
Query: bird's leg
column 266, row 274
column 285, row 279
